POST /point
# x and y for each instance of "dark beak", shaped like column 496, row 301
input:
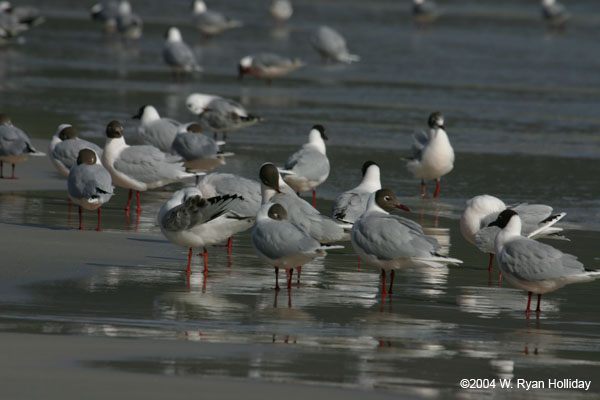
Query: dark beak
column 403, row 207
column 241, row 72
column 136, row 116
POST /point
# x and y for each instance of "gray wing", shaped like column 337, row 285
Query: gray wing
column 277, row 239
column 10, row 25
column 328, row 42
column 420, row 140
column 179, row 54
column 268, row 60
column 67, row 151
column 350, row 205
column 229, row 184
column 105, row 11
column 531, row 215
column 485, row 238
column 196, row 210
column 227, row 106
column 389, row 237
column 148, row 164
column 531, row 260
column 14, row 142
column 90, row 181
column 193, row 146
column 161, row 133
column 210, row 18
column 217, row 121
column 308, row 162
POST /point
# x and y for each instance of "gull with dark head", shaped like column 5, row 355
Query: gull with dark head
column 390, row 242
column 533, row 266
column 432, row 153
column 64, row 148
column 351, row 204
column 89, row 183
column 15, row 145
column 106, row 13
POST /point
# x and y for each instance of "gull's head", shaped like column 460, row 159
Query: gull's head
column 114, row 130
column 194, row 128
column 146, row 113
column 418, row 2
column 87, row 156
column 198, row 6
column 197, row 103
column 506, row 218
column 173, row 35
column 124, row 7
column 369, row 166
column 5, row 6
column 5, row 119
column 548, row 3
column 244, row 66
column 269, row 176
column 386, row 200
column 436, row 120
column 277, row 212
column 67, row 132
column 317, row 133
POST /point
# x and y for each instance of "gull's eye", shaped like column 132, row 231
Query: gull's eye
column 387, row 198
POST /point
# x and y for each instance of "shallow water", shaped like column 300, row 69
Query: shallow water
column 521, row 108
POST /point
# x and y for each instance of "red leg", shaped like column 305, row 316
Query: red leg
column 12, row 176
column 137, row 195
column 289, row 273
column 276, row 278
column 358, row 263
column 99, row 213
column 299, row 269
column 205, row 254
column 128, row 201
column 230, row 243
column 423, row 194
column 188, row 271
column 437, row 188
column 491, row 265
column 528, row 310
column 80, row 225
column 197, row 179
column 392, row 279
column 314, row 198
column 383, row 290
column 537, row 310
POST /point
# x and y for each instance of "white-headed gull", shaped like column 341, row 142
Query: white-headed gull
column 241, row 215
column 190, row 220
column 432, row 153
column 177, row 54
column 27, row 15
column 106, row 13
column 538, row 221
column 129, row 24
column 425, row 11
column 308, row 167
column 331, row 45
column 300, row 212
column 199, row 152
column 15, row 145
column 282, row 243
column 281, row 10
column 352, row 203
column 267, row 66
column 10, row 26
column 89, row 183
column 533, row 266
column 64, row 148
column 139, row 168
column 217, row 114
column 156, row 131
column 211, row 22
column 390, row 242
column 555, row 14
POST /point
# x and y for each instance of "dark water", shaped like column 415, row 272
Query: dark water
column 521, row 108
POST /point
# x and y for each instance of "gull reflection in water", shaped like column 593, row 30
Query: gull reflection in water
column 490, row 302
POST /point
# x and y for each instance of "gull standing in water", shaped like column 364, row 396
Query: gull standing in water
column 267, row 66
column 217, row 114
column 89, row 183
column 211, row 22
column 15, row 145
column 537, row 221
column 64, row 148
column 425, row 11
column 433, row 155
column 199, row 152
column 282, row 243
column 352, row 203
column 390, row 242
column 281, row 10
column 129, row 25
column 533, row 266
column 156, row 131
column 555, row 14
column 189, row 220
column 106, row 13
column 139, row 168
column 331, row 45
column 308, row 167
column 178, row 54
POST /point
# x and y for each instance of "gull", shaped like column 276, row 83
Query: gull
column 10, row 26
column 537, row 220
column 15, row 145
column 27, row 15
column 241, row 215
column 217, row 114
column 156, row 131
column 211, row 22
column 533, row 266
column 267, row 66
column 64, row 148
column 433, row 156
column 308, row 167
column 189, row 220
column 138, row 168
column 555, row 14
column 390, row 242
column 281, row 10
column 129, row 25
column 319, row 227
column 425, row 11
column 331, row 45
column 282, row 243
column 351, row 204
column 106, row 13
column 178, row 54
column 89, row 183
column 198, row 151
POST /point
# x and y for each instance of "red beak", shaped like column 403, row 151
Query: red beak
column 403, row 207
